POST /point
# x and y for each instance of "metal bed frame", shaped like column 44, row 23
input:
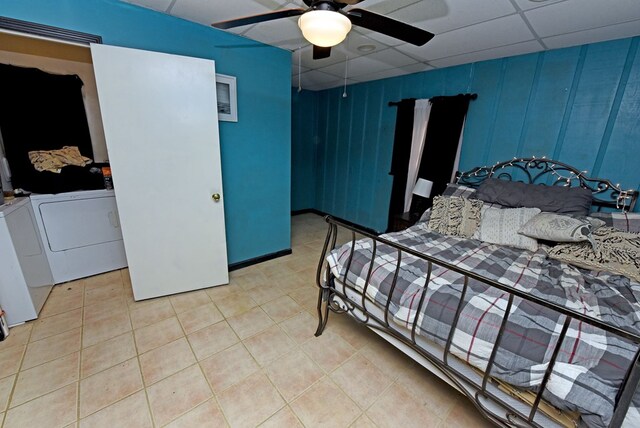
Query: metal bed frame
column 340, row 299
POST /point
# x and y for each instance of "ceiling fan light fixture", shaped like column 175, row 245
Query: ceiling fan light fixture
column 324, row 28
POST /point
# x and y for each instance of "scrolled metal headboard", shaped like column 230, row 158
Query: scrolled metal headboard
column 553, row 173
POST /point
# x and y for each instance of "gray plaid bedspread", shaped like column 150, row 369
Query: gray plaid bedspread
column 591, row 364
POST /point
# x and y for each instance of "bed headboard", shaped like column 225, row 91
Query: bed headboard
column 553, row 173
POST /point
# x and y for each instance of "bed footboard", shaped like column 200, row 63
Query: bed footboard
column 500, row 403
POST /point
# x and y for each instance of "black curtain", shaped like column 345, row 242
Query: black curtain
column 441, row 143
column 400, row 157
column 43, row 111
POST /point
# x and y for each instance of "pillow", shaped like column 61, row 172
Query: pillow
column 500, row 226
column 455, row 216
column 454, row 189
column 557, row 228
column 627, row 222
column 615, row 251
column 556, row 199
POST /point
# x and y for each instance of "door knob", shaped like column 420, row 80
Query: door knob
column 216, row 197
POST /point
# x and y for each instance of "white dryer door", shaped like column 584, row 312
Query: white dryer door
column 161, row 126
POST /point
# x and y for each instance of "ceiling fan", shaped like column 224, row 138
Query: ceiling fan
column 324, row 24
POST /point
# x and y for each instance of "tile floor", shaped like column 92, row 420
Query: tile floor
column 239, row 355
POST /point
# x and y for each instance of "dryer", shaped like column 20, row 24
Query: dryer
column 80, row 232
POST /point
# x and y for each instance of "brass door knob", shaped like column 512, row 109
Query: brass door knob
column 216, row 197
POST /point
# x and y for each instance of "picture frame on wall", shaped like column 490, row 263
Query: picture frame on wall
column 227, row 98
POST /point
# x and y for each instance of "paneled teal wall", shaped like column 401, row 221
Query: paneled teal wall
column 256, row 151
column 303, row 155
column 580, row 105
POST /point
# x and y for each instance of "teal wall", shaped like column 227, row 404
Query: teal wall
column 580, row 105
column 256, row 151
column 303, row 156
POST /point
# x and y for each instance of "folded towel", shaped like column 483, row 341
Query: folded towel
column 54, row 160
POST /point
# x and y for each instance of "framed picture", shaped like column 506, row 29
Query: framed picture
column 227, row 98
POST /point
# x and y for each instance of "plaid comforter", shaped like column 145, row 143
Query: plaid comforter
column 591, row 364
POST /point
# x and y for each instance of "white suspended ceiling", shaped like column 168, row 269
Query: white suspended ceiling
column 466, row 31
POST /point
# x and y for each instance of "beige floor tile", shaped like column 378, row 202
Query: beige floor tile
column 11, row 359
column 251, row 401
column 300, row 328
column 356, row 334
column 284, row 418
column 329, row 351
column 57, row 409
column 109, row 386
column 177, row 394
column 396, row 407
column 18, row 335
column 386, row 357
column 464, row 414
column 191, row 300
column 133, row 411
column 107, row 354
column 212, row 339
column 222, row 291
column 235, row 304
column 67, row 288
column 249, row 281
column 325, row 402
column 363, row 422
column 293, row 373
column 151, row 313
column 249, row 323
column 166, row 360
column 269, row 345
column 361, row 380
column 51, row 348
column 104, row 309
column 6, row 385
column 99, row 331
column 205, row 415
column 99, row 281
column 266, row 293
column 306, row 297
column 45, row 378
column 104, row 292
column 282, row 308
column 275, row 269
column 228, row 367
column 200, row 317
column 50, row 326
column 158, row 334
column 435, row 394
column 61, row 303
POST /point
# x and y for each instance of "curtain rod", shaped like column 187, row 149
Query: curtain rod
column 397, row 103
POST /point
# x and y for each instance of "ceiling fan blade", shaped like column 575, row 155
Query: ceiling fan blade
column 320, row 52
column 388, row 26
column 254, row 19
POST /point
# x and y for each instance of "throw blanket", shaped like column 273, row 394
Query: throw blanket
column 613, row 251
column 54, row 160
column 591, row 364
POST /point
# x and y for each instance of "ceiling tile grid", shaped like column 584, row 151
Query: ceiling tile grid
column 465, row 31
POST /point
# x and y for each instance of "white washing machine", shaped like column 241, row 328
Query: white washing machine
column 25, row 277
column 81, row 233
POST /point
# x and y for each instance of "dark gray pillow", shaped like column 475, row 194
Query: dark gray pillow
column 555, row 199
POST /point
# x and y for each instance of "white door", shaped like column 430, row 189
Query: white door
column 161, row 125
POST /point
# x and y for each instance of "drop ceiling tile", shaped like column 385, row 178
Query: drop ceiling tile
column 618, row 31
column 208, row 11
column 338, row 54
column 159, row 5
column 385, row 7
column 378, row 61
column 500, row 52
column 577, row 15
column 532, row 4
column 440, row 16
column 275, row 31
column 400, row 71
column 490, row 34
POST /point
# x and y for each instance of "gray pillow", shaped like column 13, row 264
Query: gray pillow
column 556, row 199
column 627, row 222
column 500, row 226
column 557, row 228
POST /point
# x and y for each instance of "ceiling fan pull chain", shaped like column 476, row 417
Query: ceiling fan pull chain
column 346, row 69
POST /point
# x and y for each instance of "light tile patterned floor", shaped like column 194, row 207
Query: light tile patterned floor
column 239, row 355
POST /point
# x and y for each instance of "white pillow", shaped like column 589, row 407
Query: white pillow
column 500, row 226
